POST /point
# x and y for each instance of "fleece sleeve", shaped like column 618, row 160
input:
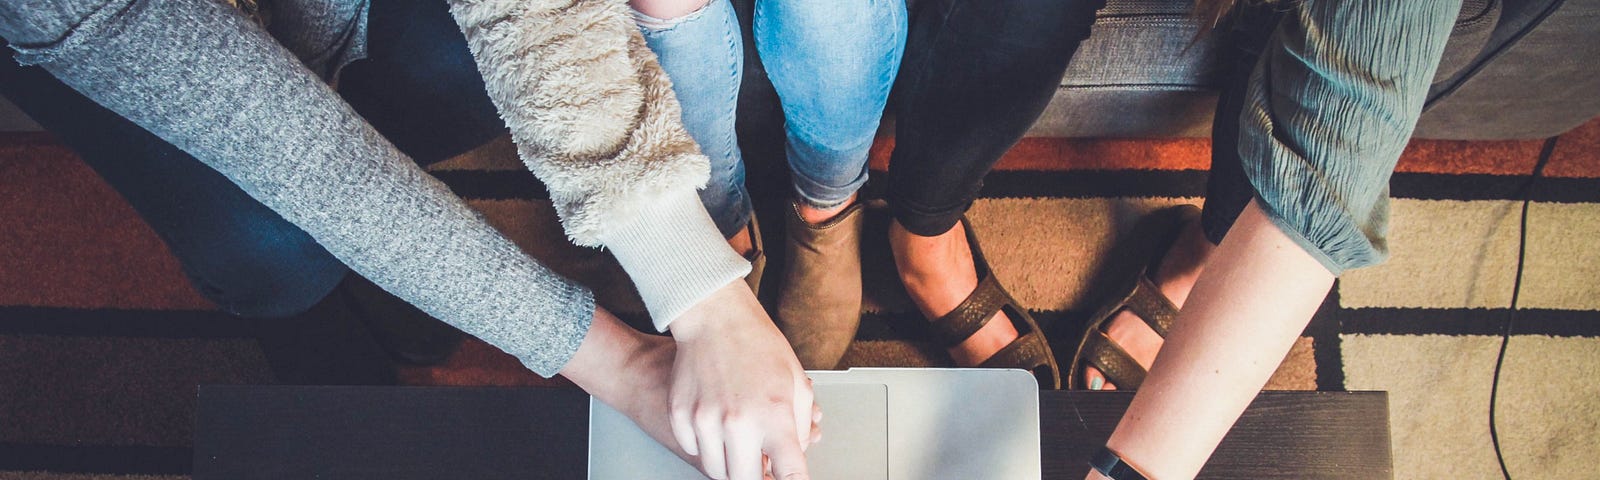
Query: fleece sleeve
column 594, row 117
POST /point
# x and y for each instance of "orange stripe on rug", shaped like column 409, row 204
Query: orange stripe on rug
column 1574, row 156
column 71, row 241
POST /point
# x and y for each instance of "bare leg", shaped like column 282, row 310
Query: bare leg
column 1254, row 298
column 939, row 273
column 1179, row 269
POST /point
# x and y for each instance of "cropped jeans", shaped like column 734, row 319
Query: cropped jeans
column 832, row 64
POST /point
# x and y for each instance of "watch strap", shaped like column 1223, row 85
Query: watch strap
column 1109, row 464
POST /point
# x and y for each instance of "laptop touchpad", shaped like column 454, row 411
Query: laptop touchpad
column 855, row 434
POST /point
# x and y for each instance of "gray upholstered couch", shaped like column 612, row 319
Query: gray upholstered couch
column 1514, row 69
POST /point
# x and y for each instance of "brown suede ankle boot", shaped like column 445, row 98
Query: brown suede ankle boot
column 819, row 304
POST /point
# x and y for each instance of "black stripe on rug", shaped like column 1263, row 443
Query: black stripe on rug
column 73, row 322
column 494, row 184
column 1327, row 350
column 1425, row 186
column 97, row 459
column 522, row 185
column 1469, row 321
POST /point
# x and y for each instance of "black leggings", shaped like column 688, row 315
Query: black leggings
column 976, row 75
column 1228, row 190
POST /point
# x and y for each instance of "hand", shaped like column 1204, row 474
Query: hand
column 628, row 370
column 632, row 372
column 649, row 372
column 738, row 391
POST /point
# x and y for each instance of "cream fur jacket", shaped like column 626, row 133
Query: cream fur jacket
column 594, row 117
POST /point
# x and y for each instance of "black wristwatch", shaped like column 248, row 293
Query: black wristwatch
column 1109, row 464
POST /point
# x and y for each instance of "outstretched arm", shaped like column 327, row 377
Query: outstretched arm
column 201, row 76
column 594, row 117
column 1255, row 297
column 1328, row 111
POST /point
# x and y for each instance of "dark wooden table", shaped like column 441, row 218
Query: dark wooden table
column 277, row 432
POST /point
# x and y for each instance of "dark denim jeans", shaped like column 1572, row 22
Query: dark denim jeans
column 419, row 87
column 976, row 75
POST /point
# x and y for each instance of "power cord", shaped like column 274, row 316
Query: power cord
column 1526, row 193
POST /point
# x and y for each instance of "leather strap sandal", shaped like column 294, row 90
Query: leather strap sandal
column 1142, row 298
column 1030, row 351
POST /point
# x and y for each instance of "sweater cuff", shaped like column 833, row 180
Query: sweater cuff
column 674, row 254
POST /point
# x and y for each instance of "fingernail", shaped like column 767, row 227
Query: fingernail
column 1097, row 383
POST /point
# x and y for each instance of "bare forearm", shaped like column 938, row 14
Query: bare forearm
column 601, row 363
column 1255, row 297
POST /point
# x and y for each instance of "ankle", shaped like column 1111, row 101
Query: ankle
column 817, row 216
column 1183, row 263
column 937, row 271
column 927, row 259
column 743, row 243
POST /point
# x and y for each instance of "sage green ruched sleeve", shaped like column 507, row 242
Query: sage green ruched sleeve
column 1329, row 109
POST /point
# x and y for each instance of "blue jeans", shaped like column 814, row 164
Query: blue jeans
column 832, row 64
column 418, row 86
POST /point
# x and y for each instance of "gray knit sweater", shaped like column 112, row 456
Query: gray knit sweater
column 591, row 112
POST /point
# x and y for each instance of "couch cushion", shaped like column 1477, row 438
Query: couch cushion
column 1473, row 28
column 1533, row 85
column 1142, row 72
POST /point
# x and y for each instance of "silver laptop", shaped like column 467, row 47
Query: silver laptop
column 878, row 424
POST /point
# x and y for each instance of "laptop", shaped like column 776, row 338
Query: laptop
column 878, row 424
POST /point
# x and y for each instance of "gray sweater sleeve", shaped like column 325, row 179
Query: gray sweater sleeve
column 1328, row 111
column 200, row 75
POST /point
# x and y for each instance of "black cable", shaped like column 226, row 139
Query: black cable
column 1526, row 193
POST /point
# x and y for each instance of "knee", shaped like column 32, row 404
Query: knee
column 40, row 22
column 668, row 9
column 271, row 278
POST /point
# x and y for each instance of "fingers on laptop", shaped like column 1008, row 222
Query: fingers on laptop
column 708, row 430
column 788, row 460
column 737, row 446
column 816, row 426
column 683, row 431
column 805, row 409
column 744, row 456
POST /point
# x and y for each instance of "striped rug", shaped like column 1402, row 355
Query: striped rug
column 102, row 340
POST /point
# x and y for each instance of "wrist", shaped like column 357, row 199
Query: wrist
column 692, row 325
column 604, row 353
column 674, row 254
column 1109, row 465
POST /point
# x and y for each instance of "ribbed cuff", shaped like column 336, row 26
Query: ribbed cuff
column 674, row 254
